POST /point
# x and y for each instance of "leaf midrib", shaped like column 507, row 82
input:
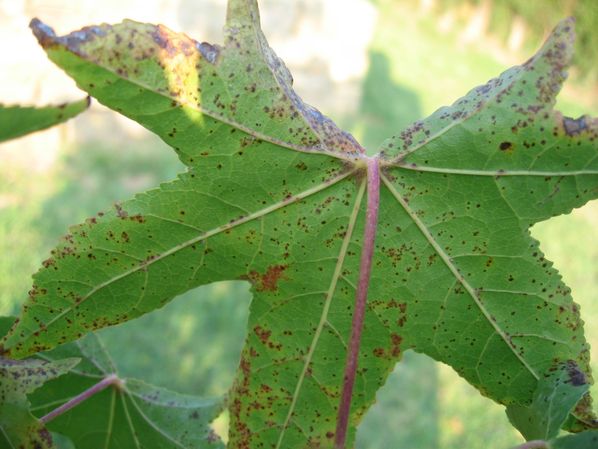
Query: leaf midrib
column 324, row 316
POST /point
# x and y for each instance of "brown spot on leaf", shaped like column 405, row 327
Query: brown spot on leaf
column 50, row 261
column 262, row 333
column 379, row 352
column 172, row 43
column 395, row 348
column 138, row 218
column 267, row 281
column 506, row 146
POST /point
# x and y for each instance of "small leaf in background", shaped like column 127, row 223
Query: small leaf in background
column 557, row 394
column 275, row 195
column 19, row 378
column 62, row 442
column 127, row 415
column 16, row 121
column 583, row 440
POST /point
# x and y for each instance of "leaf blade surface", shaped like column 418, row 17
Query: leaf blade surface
column 130, row 413
column 274, row 195
column 17, row 121
column 18, row 427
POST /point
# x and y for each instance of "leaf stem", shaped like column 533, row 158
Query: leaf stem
column 112, row 379
column 365, row 268
column 533, row 444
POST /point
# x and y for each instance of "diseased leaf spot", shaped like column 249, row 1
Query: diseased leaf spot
column 574, row 126
column 576, row 376
column 267, row 281
column 208, row 51
column 506, row 146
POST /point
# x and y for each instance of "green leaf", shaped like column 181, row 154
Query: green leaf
column 16, row 121
column 583, row 440
column 275, row 194
column 18, row 427
column 557, row 394
column 131, row 414
column 62, row 442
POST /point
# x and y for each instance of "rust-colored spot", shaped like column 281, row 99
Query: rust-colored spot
column 138, row 218
column 269, row 280
column 379, row 352
column 395, row 348
column 172, row 43
column 50, row 261
column 262, row 333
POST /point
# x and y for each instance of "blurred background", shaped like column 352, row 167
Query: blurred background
column 374, row 67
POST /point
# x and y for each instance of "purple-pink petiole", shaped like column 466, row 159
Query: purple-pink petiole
column 112, row 379
column 365, row 269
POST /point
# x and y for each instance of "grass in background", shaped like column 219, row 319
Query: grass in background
column 192, row 345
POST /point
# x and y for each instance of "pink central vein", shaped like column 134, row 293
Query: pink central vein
column 112, row 379
column 365, row 269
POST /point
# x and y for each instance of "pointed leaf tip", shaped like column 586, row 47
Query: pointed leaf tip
column 242, row 12
column 17, row 121
column 47, row 37
column 44, row 34
column 555, row 57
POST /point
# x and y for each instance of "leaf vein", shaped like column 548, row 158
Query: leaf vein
column 279, row 205
column 451, row 266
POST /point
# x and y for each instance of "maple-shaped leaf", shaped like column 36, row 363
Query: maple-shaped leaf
column 16, row 121
column 19, row 378
column 125, row 413
column 275, row 193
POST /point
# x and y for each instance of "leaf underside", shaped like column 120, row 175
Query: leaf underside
column 557, row 394
column 18, row 378
column 274, row 194
column 136, row 415
column 16, row 121
column 583, row 440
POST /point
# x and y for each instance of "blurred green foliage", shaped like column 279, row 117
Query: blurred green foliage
column 539, row 18
column 192, row 345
